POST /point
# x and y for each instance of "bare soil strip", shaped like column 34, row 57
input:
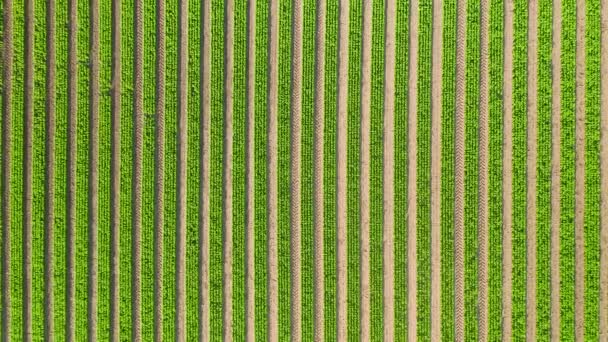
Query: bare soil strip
column 412, row 151
column 318, row 193
column 388, row 167
column 531, row 170
column 484, row 157
column 93, row 183
column 364, row 171
column 182, row 167
column 28, row 116
column 115, row 95
column 295, row 187
column 7, row 95
column 436, row 84
column 603, row 311
column 205, row 172
column 70, row 326
column 579, row 201
column 272, row 166
column 159, row 174
column 556, row 125
column 459, row 171
column 227, row 170
column 341, row 161
column 136, row 186
column 49, row 199
column 507, row 173
column 250, row 178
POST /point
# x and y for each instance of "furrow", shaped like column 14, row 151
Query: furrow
column 272, row 166
column 436, row 84
column 579, row 205
column 484, row 148
column 7, row 94
column 136, row 182
column 115, row 94
column 49, row 199
column 93, row 165
column 227, row 170
column 364, row 166
column 28, row 117
column 159, row 166
column 204, row 308
column 70, row 326
column 250, row 176
column 507, row 199
column 388, row 167
column 412, row 152
column 296, row 162
column 532, row 136
column 459, row 172
column 341, row 163
column 318, row 168
column 603, row 285
column 182, row 159
column 556, row 171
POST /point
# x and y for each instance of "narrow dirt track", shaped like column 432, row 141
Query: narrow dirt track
column 182, row 167
column 227, row 281
column 532, row 156
column 556, row 125
column 459, row 171
column 28, row 127
column 7, row 125
column 318, row 167
column 341, row 171
column 272, row 167
column 364, row 171
column 296, row 163
column 250, row 177
column 436, row 98
column 579, row 205
column 115, row 161
column 507, row 175
column 204, row 309
column 93, row 165
column 136, row 182
column 412, row 151
column 159, row 173
column 388, row 167
column 49, row 162
column 603, row 312
column 70, row 293
column 484, row 157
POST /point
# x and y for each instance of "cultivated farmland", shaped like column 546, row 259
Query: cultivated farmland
column 304, row 170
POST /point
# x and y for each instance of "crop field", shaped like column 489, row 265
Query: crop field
column 304, row 170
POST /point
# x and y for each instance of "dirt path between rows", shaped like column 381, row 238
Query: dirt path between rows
column 364, row 169
column 459, row 173
column 555, row 170
column 603, row 314
column 250, row 177
column 388, row 167
column 436, row 84
column 484, row 147
column 412, row 152
column 532, row 136
column 507, row 174
column 579, row 201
